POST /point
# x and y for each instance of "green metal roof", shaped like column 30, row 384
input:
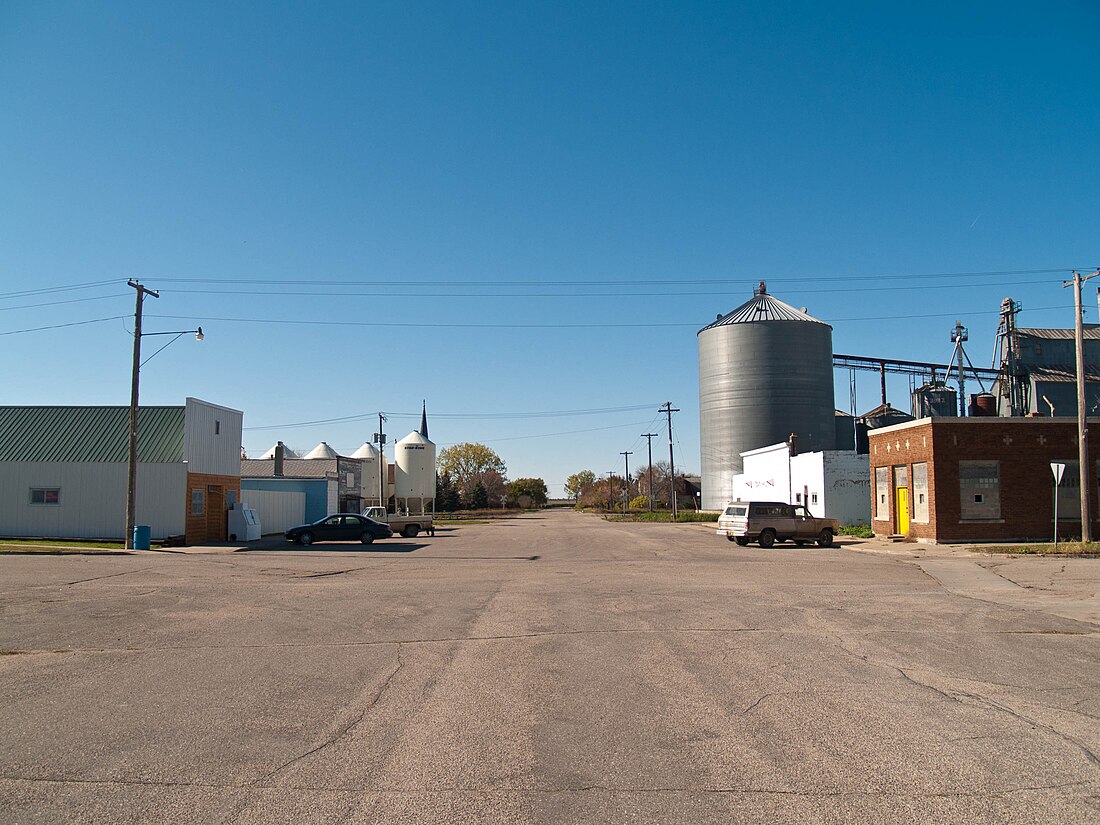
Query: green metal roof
column 89, row 434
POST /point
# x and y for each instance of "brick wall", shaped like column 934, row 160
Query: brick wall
column 1023, row 448
column 210, row 525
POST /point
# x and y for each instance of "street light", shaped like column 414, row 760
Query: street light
column 131, row 459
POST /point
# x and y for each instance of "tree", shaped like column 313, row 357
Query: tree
column 446, row 494
column 469, row 463
column 662, row 490
column 495, row 486
column 533, row 488
column 479, row 499
column 578, row 483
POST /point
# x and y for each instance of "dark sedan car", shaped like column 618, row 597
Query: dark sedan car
column 340, row 527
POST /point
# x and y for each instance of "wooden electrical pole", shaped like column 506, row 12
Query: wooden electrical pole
column 131, row 456
column 1084, row 475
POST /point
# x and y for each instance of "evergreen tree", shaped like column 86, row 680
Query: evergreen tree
column 479, row 499
column 446, row 494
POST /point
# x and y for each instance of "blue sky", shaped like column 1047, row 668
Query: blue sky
column 511, row 210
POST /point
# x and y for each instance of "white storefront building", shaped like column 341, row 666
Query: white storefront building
column 834, row 483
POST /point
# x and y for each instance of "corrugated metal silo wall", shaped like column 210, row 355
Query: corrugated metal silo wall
column 758, row 383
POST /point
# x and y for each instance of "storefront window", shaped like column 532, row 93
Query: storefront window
column 920, row 493
column 882, row 493
column 979, row 490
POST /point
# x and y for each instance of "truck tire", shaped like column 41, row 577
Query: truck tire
column 825, row 538
column 409, row 531
column 767, row 538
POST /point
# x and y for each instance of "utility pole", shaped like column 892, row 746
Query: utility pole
column 131, row 468
column 626, row 478
column 669, row 410
column 380, row 440
column 1082, row 410
column 649, row 440
column 610, row 493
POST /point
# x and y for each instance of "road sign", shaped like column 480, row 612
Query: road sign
column 1057, row 468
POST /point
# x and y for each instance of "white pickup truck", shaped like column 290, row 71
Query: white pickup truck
column 408, row 526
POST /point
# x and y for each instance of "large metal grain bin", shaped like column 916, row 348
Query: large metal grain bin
column 765, row 371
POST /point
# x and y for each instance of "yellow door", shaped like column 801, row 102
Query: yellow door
column 902, row 511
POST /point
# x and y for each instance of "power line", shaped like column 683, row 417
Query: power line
column 46, row 290
column 495, row 416
column 528, row 325
column 602, row 325
column 60, row 326
column 420, row 283
column 69, row 301
column 344, row 294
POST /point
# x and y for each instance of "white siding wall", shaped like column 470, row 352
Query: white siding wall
column 212, row 438
column 278, row 510
column 808, row 482
column 93, row 499
column 766, row 476
column 333, row 496
column 848, row 487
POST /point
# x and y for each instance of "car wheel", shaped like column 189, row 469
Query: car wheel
column 305, row 538
column 409, row 531
column 825, row 538
column 767, row 538
column 742, row 541
column 367, row 537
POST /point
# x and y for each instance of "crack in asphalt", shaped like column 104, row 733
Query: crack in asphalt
column 518, row 636
column 976, row 700
column 331, row 573
column 496, row 791
column 344, row 729
column 385, row 642
column 111, row 576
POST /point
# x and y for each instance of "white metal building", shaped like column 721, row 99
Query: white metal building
column 63, row 470
column 833, row 483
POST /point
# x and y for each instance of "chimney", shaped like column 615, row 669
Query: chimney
column 280, row 451
column 792, row 444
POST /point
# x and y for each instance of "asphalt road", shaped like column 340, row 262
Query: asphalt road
column 550, row 669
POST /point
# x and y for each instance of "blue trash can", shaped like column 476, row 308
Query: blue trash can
column 141, row 536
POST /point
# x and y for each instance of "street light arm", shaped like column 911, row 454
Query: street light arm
column 198, row 337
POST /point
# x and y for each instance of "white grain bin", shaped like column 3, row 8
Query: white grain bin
column 765, row 372
column 287, row 452
column 322, row 450
column 369, row 455
column 415, row 458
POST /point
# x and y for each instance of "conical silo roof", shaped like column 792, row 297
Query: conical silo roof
column 416, row 438
column 762, row 307
column 368, row 450
column 322, row 450
column 287, row 452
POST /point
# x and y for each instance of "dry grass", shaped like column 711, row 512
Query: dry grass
column 1063, row 548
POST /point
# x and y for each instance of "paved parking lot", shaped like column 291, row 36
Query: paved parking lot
column 552, row 669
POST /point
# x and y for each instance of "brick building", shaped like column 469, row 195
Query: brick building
column 978, row 479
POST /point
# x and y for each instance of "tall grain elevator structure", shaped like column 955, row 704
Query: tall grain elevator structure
column 765, row 372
